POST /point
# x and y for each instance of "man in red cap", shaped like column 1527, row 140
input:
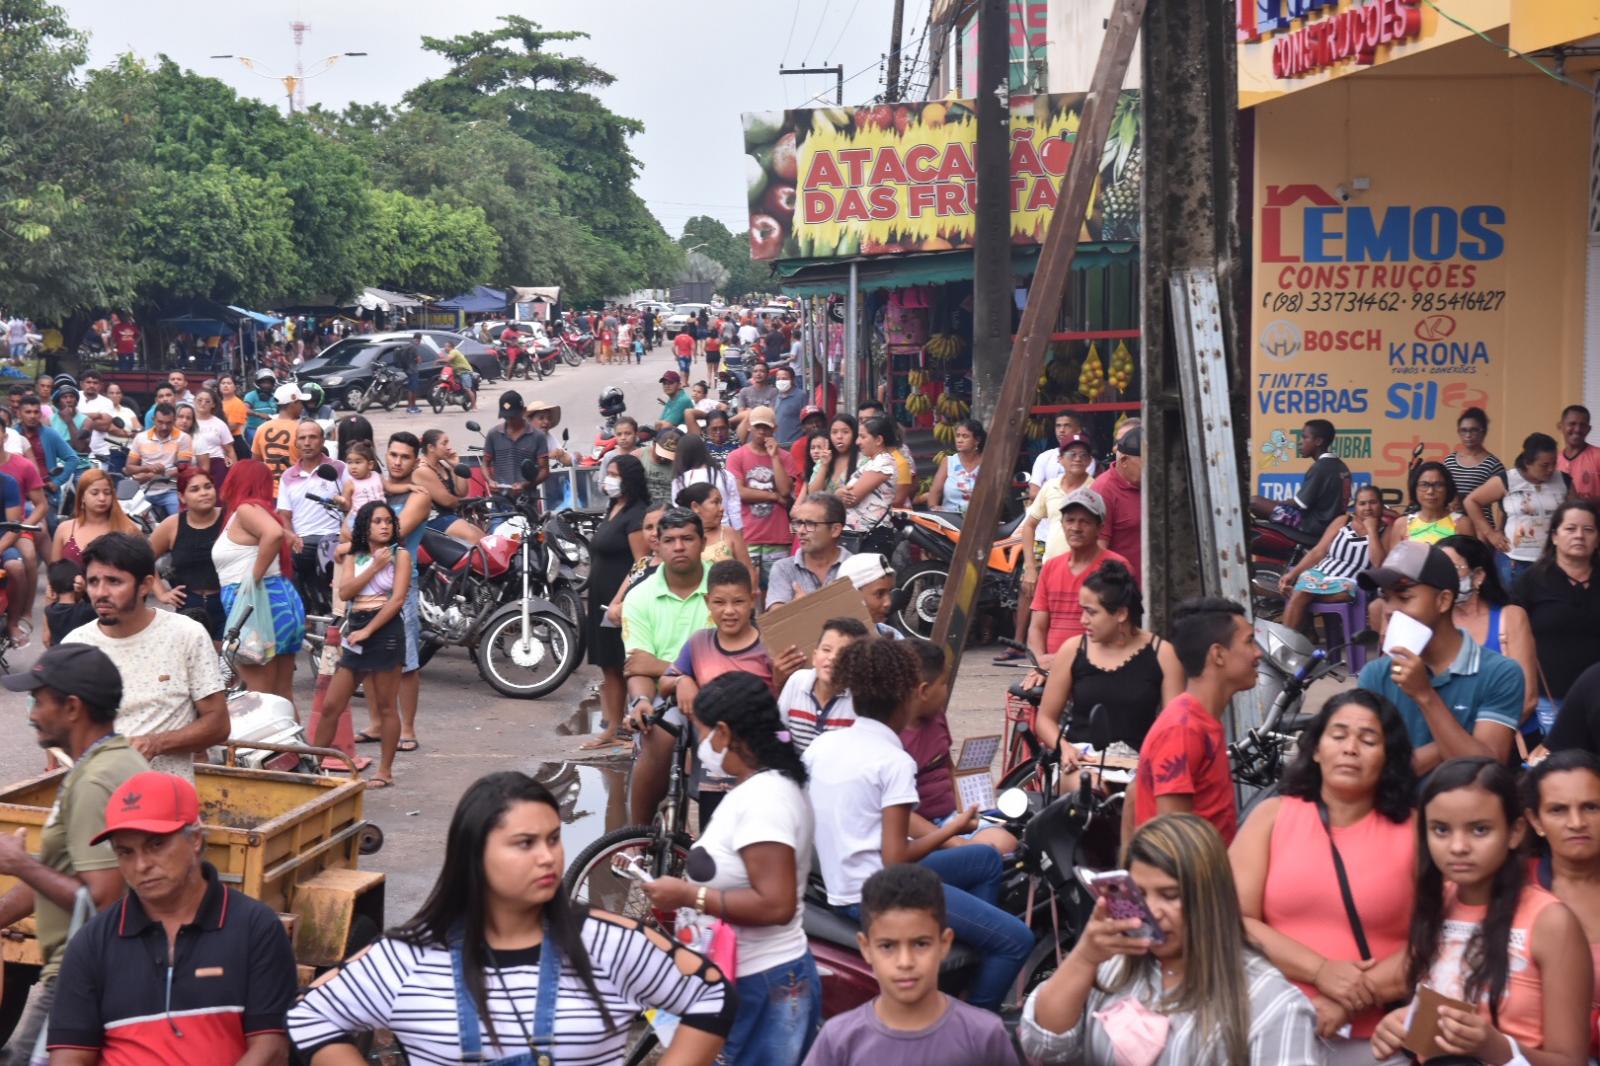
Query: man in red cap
column 218, row 974
column 76, row 691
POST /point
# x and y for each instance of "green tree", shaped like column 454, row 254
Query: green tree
column 218, row 233
column 420, row 245
column 732, row 250
column 69, row 169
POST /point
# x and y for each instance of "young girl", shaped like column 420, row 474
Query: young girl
column 1482, row 933
column 722, row 541
column 365, row 484
column 374, row 577
column 862, row 788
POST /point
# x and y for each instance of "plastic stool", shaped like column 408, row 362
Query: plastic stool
column 1352, row 616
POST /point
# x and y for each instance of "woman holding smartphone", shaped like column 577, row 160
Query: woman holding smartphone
column 1201, row 994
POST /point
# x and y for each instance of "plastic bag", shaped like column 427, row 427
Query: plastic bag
column 258, row 641
column 711, row 937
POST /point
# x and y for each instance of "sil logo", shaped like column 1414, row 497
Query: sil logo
column 1280, row 340
column 1435, row 328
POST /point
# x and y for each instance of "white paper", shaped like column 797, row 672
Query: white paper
column 1406, row 632
column 975, row 788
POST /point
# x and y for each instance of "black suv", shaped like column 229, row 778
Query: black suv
column 344, row 369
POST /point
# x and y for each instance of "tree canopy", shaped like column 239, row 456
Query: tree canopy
column 730, row 250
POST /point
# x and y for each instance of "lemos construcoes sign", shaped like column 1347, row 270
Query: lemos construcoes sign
column 887, row 178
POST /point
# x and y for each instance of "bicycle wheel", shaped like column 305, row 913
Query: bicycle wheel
column 590, row 878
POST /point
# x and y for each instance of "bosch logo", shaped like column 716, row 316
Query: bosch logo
column 1435, row 328
column 1281, row 340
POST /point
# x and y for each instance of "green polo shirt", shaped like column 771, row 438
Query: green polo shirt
column 656, row 621
column 78, row 816
column 677, row 408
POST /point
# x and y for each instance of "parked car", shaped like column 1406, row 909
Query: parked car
column 344, row 368
column 528, row 329
column 679, row 318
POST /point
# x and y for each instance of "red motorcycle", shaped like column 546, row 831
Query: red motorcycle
column 448, row 390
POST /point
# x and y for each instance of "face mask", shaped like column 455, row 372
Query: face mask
column 710, row 758
column 1465, row 587
column 783, row 384
column 611, row 485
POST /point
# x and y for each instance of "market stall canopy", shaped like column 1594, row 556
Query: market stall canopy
column 481, row 300
column 527, row 294
column 256, row 316
column 201, row 318
column 818, row 277
column 372, row 299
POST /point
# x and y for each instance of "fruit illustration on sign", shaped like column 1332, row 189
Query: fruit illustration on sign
column 784, row 166
column 766, row 237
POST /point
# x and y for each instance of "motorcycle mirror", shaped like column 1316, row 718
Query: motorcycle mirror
column 1367, row 638
column 119, row 423
column 1100, row 727
column 473, row 426
column 1013, row 803
column 565, row 436
column 327, row 472
column 529, row 469
column 463, row 470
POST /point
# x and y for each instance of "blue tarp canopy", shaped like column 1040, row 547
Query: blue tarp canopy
column 480, row 301
column 257, row 316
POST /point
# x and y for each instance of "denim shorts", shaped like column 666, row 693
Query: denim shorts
column 411, row 614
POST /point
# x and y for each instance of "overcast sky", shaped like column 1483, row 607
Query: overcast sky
column 686, row 70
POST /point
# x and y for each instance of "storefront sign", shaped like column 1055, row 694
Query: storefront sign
column 1030, row 27
column 902, row 177
column 1352, row 34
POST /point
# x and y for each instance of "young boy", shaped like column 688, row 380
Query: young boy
column 927, row 740
column 638, row 347
column 904, row 937
column 810, row 701
column 66, row 610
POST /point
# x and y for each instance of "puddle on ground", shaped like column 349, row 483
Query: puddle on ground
column 593, row 798
column 585, row 718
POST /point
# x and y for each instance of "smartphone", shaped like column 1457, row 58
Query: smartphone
column 628, row 866
column 1124, row 900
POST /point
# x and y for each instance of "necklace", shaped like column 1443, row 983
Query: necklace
column 516, row 1011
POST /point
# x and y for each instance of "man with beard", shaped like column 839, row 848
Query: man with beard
column 76, row 691
column 174, row 703
column 412, row 505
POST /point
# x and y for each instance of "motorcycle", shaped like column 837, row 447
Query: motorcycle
column 386, row 388
column 135, row 504
column 490, row 598
column 581, row 342
column 447, row 390
column 259, row 717
column 514, row 361
column 933, row 535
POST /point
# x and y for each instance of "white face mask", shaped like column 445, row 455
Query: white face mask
column 710, row 758
column 1465, row 588
column 611, row 485
column 783, row 384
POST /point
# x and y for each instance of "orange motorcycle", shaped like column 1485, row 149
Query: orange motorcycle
column 924, row 553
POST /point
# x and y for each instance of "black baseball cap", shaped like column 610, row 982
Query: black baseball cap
column 1411, row 563
column 1131, row 443
column 511, row 402
column 80, row 670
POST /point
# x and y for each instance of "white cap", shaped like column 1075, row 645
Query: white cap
column 289, row 392
column 864, row 569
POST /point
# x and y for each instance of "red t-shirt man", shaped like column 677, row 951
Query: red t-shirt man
column 1122, row 525
column 683, row 346
column 765, row 523
column 1186, row 754
column 1057, row 594
column 125, row 336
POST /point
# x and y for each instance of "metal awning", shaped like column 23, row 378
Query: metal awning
column 256, row 316
column 819, row 277
column 372, row 299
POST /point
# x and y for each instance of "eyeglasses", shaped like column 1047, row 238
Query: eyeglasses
column 1434, row 486
column 806, row 525
column 1467, row 429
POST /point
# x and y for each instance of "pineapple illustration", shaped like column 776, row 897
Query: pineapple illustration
column 1121, row 172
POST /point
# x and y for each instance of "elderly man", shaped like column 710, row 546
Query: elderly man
column 230, row 973
column 1119, row 488
column 818, row 522
column 1057, row 614
column 313, row 529
column 75, row 692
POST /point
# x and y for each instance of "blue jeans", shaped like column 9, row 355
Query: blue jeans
column 1509, row 570
column 164, row 504
column 780, row 1011
column 1545, row 712
column 972, row 875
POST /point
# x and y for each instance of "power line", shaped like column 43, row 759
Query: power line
column 840, row 39
column 863, row 70
column 820, row 20
column 794, row 18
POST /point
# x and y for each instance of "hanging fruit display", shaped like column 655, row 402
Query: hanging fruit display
column 1092, row 378
column 1121, row 367
column 944, row 347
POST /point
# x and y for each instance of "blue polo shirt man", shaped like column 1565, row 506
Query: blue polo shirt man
column 1456, row 697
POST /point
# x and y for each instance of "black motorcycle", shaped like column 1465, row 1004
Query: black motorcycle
column 386, row 388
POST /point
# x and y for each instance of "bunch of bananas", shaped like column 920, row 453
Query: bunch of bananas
column 1092, row 378
column 918, row 403
column 938, row 460
column 951, row 409
column 1121, row 367
column 1038, row 429
column 916, row 378
column 945, row 433
column 943, row 347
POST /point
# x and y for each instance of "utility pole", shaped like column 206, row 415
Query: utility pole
column 1038, row 321
column 991, row 253
column 297, row 95
column 836, row 71
column 891, row 91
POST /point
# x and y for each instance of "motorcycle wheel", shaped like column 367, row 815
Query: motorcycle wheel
column 531, row 671
column 1265, row 599
column 570, row 602
column 590, row 878
column 924, row 588
column 436, row 399
column 521, row 370
column 571, row 355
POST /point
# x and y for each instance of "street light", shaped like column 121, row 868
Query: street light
column 291, row 82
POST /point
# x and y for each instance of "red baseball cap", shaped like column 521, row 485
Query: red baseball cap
column 151, row 802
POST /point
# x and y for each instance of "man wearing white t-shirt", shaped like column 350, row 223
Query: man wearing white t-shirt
column 313, row 529
column 98, row 411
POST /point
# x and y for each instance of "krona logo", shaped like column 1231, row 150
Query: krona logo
column 132, row 800
column 1435, row 327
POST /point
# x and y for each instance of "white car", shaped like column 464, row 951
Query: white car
column 533, row 329
column 680, row 317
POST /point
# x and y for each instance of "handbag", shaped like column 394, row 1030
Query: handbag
column 252, row 615
column 1345, row 894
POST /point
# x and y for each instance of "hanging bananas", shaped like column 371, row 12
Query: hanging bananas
column 944, row 347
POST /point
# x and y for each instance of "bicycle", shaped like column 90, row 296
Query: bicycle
column 661, row 849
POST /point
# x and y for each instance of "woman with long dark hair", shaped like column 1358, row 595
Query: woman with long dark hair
column 818, row 453
column 722, row 540
column 869, row 492
column 1529, row 496
column 1435, row 509
column 1202, row 992
column 499, row 965
column 1471, row 464
column 374, row 577
column 1348, row 793
column 1482, row 933
column 1562, row 794
column 693, row 465
column 1485, row 611
column 1561, row 594
column 749, row 868
column 957, row 476
column 253, row 547
column 845, row 457
column 618, row 542
column 189, row 537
